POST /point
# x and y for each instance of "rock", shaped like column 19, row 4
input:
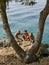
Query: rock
column 43, row 50
column 4, row 43
column 26, row 45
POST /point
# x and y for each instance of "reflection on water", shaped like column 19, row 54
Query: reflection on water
column 22, row 17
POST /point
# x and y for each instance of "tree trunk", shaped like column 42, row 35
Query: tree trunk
column 16, row 47
column 30, row 55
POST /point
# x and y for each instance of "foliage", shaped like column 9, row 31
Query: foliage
column 31, row 3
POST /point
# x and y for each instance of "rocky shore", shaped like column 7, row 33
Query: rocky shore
column 25, row 45
column 9, row 57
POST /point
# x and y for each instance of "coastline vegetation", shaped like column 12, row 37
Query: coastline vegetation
column 28, row 3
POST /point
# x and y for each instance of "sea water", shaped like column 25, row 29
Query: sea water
column 21, row 17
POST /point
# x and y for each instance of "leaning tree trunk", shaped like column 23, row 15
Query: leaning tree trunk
column 30, row 55
column 16, row 47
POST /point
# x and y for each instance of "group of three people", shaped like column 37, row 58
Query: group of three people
column 25, row 36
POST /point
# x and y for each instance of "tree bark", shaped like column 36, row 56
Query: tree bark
column 30, row 55
column 16, row 47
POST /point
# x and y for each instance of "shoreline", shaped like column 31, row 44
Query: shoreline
column 8, row 56
column 25, row 45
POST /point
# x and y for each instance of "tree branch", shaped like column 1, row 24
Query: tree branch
column 30, row 55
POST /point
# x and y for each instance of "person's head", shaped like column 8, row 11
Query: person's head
column 18, row 32
column 30, row 34
column 25, row 31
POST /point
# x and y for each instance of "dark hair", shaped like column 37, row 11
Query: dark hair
column 25, row 30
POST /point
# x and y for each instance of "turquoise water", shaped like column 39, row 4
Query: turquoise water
column 22, row 17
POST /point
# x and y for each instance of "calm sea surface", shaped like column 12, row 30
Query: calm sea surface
column 22, row 17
